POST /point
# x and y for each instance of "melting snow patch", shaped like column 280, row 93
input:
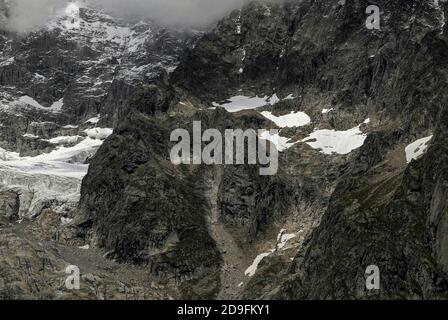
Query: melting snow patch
column 86, row 247
column 31, row 136
column 31, row 102
column 417, row 148
column 281, row 143
column 325, row 111
column 7, row 62
column 65, row 221
column 99, row 133
column 65, row 140
column 282, row 239
column 294, row 119
column 339, row 142
column 254, row 266
column 26, row 100
column 39, row 77
column 239, row 103
column 93, row 120
column 57, row 106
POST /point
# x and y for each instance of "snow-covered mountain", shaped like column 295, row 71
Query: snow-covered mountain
column 61, row 89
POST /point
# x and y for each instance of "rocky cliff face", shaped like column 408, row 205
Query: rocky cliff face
column 362, row 174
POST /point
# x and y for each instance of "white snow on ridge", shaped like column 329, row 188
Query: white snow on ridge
column 417, row 148
column 294, row 119
column 337, row 142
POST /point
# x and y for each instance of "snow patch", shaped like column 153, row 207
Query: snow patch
column 282, row 239
column 7, row 62
column 99, row 133
column 337, row 142
column 93, row 120
column 65, row 140
column 281, row 143
column 254, row 266
column 28, row 101
column 57, row 106
column 31, row 102
column 239, row 103
column 294, row 119
column 30, row 136
column 417, row 148
column 65, row 221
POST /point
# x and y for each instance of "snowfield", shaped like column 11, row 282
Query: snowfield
column 337, row 142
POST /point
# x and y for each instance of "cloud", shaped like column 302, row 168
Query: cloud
column 183, row 12
column 24, row 15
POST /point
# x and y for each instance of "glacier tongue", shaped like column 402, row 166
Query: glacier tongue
column 50, row 180
column 39, row 191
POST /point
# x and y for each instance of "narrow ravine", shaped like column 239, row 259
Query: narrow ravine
column 235, row 262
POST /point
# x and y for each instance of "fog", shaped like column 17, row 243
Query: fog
column 25, row 15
